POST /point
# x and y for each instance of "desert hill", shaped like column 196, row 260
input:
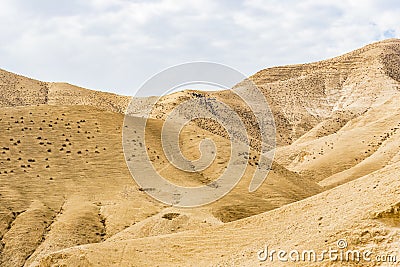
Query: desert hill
column 364, row 212
column 67, row 197
column 300, row 96
column 64, row 182
column 17, row 90
column 304, row 96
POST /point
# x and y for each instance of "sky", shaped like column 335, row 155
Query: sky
column 116, row 45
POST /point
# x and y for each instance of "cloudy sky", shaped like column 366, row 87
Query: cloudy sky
column 116, row 45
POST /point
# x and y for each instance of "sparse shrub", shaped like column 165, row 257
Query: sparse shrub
column 170, row 216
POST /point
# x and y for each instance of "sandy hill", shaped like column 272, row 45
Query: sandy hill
column 300, row 96
column 305, row 95
column 365, row 213
column 64, row 182
column 17, row 90
column 67, row 197
column 327, row 93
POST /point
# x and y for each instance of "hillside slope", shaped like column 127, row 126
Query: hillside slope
column 64, row 182
column 68, row 198
column 365, row 213
column 17, row 90
column 300, row 96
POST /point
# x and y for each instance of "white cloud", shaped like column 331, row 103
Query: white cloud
column 117, row 45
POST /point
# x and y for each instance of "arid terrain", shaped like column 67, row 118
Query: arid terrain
column 67, row 197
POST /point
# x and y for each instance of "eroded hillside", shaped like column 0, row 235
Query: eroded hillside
column 64, row 183
column 68, row 198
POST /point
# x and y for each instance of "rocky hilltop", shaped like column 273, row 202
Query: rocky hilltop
column 303, row 96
